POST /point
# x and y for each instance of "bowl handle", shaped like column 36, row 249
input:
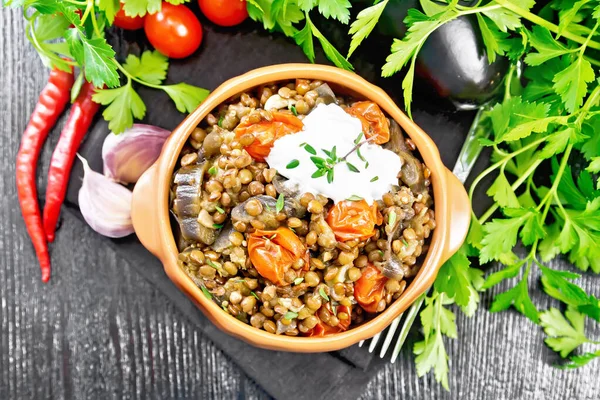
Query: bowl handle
column 459, row 217
column 144, row 207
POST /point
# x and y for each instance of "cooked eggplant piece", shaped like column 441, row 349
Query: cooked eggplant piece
column 186, row 205
column 412, row 168
column 268, row 216
column 291, row 192
column 326, row 94
column 285, row 187
column 222, row 242
column 392, row 267
column 179, row 239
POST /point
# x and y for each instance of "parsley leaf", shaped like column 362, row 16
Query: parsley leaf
column 124, row 104
column 502, row 192
column 110, row 8
column 337, row 9
column 185, row 96
column 403, row 50
column 558, row 141
column 580, row 361
column 516, row 119
column 569, row 15
column 496, row 42
column 134, row 8
column 595, row 167
column 150, row 67
column 564, row 334
column 558, row 285
column 420, row 26
column 533, row 229
column 276, row 14
column 518, row 297
column 304, row 39
column 510, row 271
column 431, row 352
column 460, row 282
column 571, row 83
column 50, row 27
column 500, row 236
column 505, row 19
column 96, row 57
column 547, row 47
column 430, row 7
column 330, row 51
column 364, row 24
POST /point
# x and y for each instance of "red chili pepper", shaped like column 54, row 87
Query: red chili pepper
column 80, row 119
column 51, row 103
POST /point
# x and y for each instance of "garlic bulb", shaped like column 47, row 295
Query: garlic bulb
column 105, row 204
column 126, row 156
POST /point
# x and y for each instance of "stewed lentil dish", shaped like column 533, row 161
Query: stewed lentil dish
column 301, row 212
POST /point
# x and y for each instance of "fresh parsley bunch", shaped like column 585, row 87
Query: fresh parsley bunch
column 550, row 122
column 287, row 16
column 70, row 33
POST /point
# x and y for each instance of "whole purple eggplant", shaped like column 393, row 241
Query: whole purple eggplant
column 453, row 59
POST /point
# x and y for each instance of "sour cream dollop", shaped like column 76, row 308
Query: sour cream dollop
column 325, row 127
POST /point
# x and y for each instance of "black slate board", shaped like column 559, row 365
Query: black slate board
column 226, row 53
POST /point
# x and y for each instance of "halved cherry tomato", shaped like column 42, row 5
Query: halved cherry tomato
column 266, row 132
column 224, row 12
column 322, row 329
column 124, row 21
column 368, row 290
column 353, row 219
column 374, row 122
column 273, row 252
column 174, row 31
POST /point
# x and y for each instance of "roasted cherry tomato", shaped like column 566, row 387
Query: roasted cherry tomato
column 368, row 290
column 322, row 329
column 353, row 219
column 124, row 21
column 273, row 252
column 374, row 122
column 224, row 12
column 174, row 31
column 266, row 132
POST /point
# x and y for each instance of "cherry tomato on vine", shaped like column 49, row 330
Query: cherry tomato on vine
column 353, row 219
column 174, row 31
column 266, row 132
column 224, row 12
column 374, row 122
column 368, row 290
column 124, row 21
column 273, row 252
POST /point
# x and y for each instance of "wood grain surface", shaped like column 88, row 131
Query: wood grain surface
column 99, row 330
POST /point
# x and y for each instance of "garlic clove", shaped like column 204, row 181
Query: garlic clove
column 126, row 156
column 105, row 204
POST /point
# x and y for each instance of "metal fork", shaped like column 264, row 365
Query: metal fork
column 466, row 160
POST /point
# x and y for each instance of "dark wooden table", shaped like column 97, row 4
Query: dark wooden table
column 99, row 330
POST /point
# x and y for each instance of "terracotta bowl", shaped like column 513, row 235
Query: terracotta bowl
column 151, row 208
